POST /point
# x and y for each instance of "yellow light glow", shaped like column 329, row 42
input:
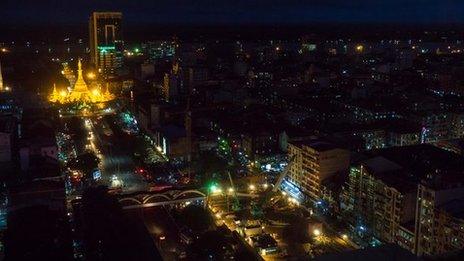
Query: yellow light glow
column 96, row 92
column 91, row 75
column 7, row 88
column 63, row 93
column 231, row 190
column 252, row 187
column 4, row 50
column 345, row 237
column 317, row 232
column 359, row 48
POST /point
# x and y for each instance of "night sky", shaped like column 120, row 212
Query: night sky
column 44, row 12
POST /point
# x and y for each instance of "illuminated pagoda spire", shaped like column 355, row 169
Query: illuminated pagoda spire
column 80, row 85
column 80, row 91
column 107, row 95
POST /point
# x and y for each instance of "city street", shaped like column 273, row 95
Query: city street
column 116, row 162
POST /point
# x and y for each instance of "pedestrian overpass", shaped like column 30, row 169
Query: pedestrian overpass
column 170, row 197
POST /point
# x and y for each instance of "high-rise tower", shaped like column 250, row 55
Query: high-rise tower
column 106, row 44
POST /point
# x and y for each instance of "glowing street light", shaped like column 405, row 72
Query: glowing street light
column 344, row 236
column 317, row 232
column 251, row 187
column 214, row 189
column 360, row 48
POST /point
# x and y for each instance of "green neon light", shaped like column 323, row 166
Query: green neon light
column 106, row 48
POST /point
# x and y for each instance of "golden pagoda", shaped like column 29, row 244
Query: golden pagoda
column 80, row 92
column 107, row 95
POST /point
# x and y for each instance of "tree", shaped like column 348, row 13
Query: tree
column 196, row 218
column 209, row 167
column 152, row 156
column 86, row 162
column 297, row 231
column 76, row 128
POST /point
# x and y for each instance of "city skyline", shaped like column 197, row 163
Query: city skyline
column 253, row 130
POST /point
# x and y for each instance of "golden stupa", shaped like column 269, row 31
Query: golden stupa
column 80, row 92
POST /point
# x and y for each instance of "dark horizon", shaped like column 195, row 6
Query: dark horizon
column 47, row 19
column 229, row 31
column 200, row 12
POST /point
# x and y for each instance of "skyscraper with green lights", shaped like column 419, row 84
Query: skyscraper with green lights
column 106, row 44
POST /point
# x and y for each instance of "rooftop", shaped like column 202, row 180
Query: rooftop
column 403, row 167
column 382, row 253
column 316, row 144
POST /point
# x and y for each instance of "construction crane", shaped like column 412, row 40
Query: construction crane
column 283, row 175
column 236, row 205
column 268, row 195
